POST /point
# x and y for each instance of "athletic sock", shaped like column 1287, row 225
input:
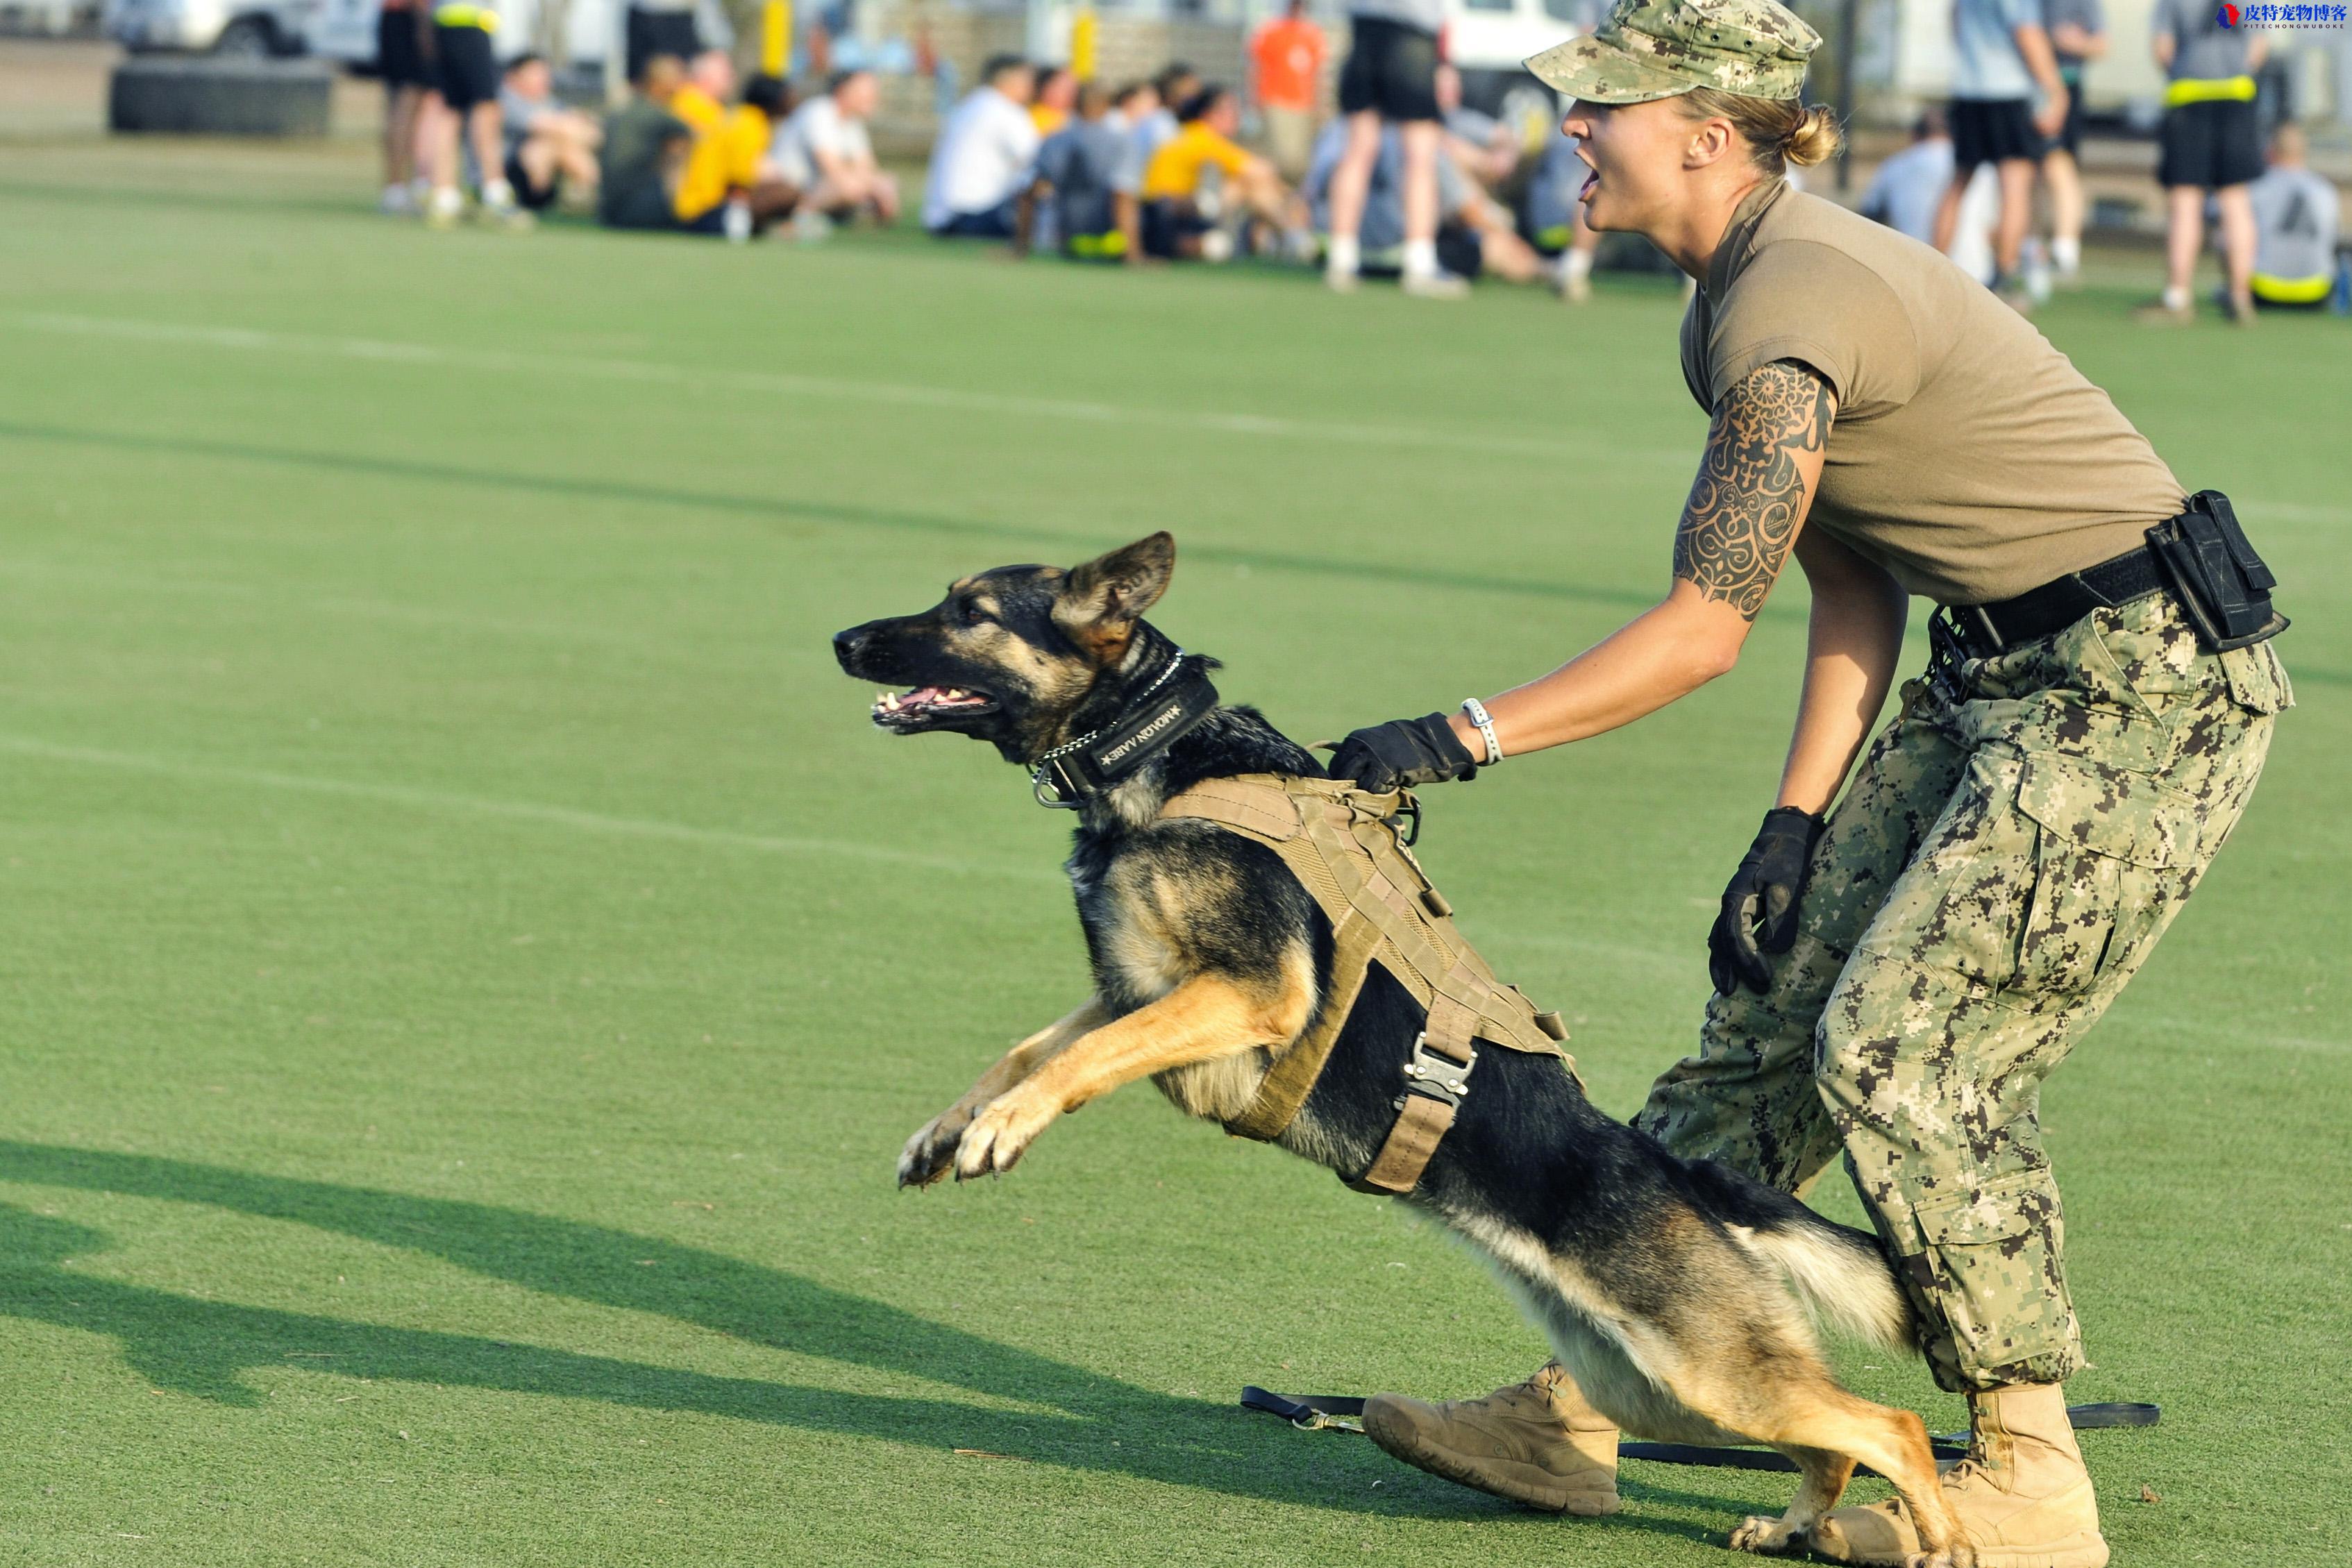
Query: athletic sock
column 1420, row 258
column 1344, row 255
column 446, row 200
column 2175, row 298
column 498, row 193
column 1575, row 264
column 2068, row 255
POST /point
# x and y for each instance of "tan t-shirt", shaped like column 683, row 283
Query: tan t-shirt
column 1970, row 458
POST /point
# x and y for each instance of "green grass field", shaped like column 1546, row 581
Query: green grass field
column 470, row 965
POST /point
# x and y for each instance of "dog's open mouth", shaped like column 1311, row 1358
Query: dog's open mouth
column 928, row 705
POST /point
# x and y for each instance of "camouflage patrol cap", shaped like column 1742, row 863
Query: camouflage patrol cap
column 1660, row 48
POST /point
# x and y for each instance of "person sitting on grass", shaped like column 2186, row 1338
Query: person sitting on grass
column 1056, row 96
column 823, row 149
column 701, row 100
column 1201, row 188
column 1087, row 171
column 1475, row 234
column 980, row 163
column 728, row 186
column 645, row 149
column 549, row 147
column 1157, row 124
column 2297, row 214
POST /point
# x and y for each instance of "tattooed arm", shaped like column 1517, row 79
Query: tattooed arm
column 1763, row 462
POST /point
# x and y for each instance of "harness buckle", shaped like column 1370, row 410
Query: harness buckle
column 1435, row 1075
column 1407, row 806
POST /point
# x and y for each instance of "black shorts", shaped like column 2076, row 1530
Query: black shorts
column 1391, row 68
column 467, row 65
column 1993, row 131
column 996, row 223
column 537, row 198
column 2210, row 145
column 399, row 53
column 651, row 33
column 2068, row 139
column 1167, row 225
column 1460, row 250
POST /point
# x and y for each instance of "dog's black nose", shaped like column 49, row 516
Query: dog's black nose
column 846, row 646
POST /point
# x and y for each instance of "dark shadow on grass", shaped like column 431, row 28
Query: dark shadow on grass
column 830, row 513
column 1078, row 1419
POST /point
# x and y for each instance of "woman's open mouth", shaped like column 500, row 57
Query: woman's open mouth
column 1592, row 184
column 928, row 705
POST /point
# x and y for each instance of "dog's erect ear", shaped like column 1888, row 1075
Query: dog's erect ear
column 1101, row 600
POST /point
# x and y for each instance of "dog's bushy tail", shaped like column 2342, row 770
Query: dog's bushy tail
column 1839, row 1274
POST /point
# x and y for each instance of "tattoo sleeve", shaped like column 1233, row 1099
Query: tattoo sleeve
column 1742, row 513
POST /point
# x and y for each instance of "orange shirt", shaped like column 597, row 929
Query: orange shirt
column 1288, row 54
column 1047, row 119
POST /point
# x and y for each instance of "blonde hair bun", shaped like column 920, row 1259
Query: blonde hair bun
column 1814, row 138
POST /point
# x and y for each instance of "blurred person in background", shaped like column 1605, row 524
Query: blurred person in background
column 1174, row 86
column 1908, row 190
column 981, row 164
column 2078, row 35
column 2212, row 141
column 1202, row 188
column 645, row 149
column 701, row 100
column 465, row 65
column 1285, row 73
column 403, row 57
column 729, row 186
column 1086, row 172
column 1475, row 236
column 2001, row 56
column 1056, row 95
column 1482, row 146
column 823, row 151
column 549, row 147
column 1391, row 79
column 1555, row 217
column 2297, row 217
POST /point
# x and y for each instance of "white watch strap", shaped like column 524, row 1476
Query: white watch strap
column 1477, row 712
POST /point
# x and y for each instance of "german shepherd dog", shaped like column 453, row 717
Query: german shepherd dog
column 1680, row 1295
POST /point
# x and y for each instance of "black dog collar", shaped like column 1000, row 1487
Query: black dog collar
column 1095, row 762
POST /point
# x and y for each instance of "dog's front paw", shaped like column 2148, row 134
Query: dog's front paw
column 999, row 1135
column 1769, row 1536
column 1957, row 1555
column 931, row 1152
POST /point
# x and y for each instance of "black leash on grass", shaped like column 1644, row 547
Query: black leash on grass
column 1344, row 1413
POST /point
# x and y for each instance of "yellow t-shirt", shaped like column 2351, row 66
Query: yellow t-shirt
column 697, row 108
column 1175, row 170
column 725, row 157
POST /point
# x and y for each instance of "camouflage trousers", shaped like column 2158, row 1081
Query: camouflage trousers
column 2008, row 854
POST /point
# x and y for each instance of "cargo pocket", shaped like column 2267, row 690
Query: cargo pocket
column 1992, row 1267
column 2257, row 680
column 2105, row 843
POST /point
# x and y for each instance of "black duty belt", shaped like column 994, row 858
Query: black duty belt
column 1984, row 630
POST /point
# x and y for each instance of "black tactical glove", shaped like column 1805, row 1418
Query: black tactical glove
column 1760, row 907
column 1400, row 754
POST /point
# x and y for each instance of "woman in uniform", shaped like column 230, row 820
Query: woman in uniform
column 1894, row 978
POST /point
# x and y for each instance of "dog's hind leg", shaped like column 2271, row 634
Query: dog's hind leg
column 1826, row 1473
column 931, row 1152
column 1206, row 1016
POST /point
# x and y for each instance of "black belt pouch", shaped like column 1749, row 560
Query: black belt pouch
column 2216, row 577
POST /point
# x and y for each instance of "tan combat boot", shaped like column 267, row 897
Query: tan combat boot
column 2023, row 1496
column 1536, row 1442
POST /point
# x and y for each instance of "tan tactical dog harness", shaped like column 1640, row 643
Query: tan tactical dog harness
column 1341, row 844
